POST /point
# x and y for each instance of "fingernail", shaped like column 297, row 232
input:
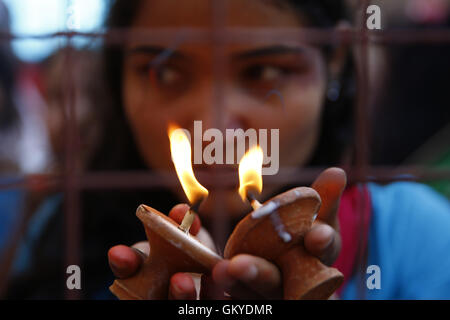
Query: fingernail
column 250, row 273
column 139, row 252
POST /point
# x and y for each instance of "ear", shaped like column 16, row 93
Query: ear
column 339, row 54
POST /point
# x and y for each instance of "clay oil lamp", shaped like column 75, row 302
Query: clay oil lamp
column 275, row 231
column 172, row 248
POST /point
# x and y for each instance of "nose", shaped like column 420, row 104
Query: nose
column 226, row 107
column 238, row 108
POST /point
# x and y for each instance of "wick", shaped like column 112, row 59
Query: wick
column 253, row 201
column 189, row 216
column 259, row 209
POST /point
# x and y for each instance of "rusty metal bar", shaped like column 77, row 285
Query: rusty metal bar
column 147, row 179
column 318, row 36
column 221, row 224
column 361, row 138
column 72, row 216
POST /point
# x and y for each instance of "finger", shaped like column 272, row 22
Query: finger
column 323, row 242
column 177, row 214
column 224, row 281
column 330, row 184
column 246, row 276
column 124, row 261
column 182, row 287
column 210, row 290
column 257, row 273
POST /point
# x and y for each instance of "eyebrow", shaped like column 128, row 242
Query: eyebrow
column 268, row 51
column 161, row 53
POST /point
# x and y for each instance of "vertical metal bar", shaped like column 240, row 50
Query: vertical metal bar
column 361, row 108
column 361, row 141
column 72, row 221
column 219, row 59
column 221, row 223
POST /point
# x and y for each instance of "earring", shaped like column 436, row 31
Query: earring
column 334, row 90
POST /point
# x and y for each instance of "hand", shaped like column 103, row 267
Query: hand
column 324, row 239
column 245, row 276
column 125, row 261
column 248, row 277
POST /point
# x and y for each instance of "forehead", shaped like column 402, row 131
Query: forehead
column 198, row 14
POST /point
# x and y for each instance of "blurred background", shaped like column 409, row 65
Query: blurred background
column 47, row 78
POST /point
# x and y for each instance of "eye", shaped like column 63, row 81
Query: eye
column 258, row 79
column 270, row 73
column 170, row 79
column 168, row 76
column 263, row 73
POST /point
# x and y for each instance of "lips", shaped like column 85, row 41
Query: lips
column 217, row 175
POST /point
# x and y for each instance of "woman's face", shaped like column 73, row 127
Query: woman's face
column 181, row 89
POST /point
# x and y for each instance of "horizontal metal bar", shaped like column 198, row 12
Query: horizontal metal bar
column 221, row 178
column 253, row 35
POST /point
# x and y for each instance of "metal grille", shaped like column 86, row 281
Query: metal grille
column 72, row 180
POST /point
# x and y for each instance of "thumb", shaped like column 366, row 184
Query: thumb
column 330, row 185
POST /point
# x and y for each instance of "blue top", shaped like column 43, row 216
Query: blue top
column 409, row 239
column 11, row 207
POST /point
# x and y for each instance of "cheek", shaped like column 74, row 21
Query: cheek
column 299, row 122
column 148, row 125
column 301, row 126
column 304, row 107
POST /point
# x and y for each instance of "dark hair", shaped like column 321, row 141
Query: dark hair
column 8, row 112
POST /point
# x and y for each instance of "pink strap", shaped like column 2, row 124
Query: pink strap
column 354, row 212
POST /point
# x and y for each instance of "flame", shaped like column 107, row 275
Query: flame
column 180, row 149
column 250, row 169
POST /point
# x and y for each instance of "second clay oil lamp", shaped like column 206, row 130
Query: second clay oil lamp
column 275, row 231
